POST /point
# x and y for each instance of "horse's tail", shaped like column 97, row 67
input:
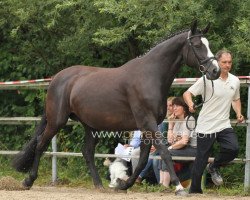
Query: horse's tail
column 23, row 161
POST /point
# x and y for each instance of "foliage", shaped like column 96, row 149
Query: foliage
column 40, row 38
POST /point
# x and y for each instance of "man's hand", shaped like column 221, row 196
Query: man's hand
column 187, row 96
column 191, row 107
column 126, row 145
column 240, row 118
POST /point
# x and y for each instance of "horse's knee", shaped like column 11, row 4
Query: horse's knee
column 88, row 155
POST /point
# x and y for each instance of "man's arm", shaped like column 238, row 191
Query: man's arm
column 236, row 104
column 187, row 96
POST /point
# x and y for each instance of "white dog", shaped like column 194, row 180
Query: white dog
column 117, row 170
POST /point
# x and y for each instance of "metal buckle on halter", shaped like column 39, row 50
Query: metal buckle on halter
column 202, row 68
column 203, row 62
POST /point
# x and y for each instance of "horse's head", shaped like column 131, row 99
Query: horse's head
column 198, row 54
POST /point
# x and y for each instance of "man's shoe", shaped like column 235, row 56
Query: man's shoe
column 215, row 175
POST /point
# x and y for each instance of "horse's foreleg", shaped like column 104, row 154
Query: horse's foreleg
column 143, row 159
column 88, row 152
column 166, row 157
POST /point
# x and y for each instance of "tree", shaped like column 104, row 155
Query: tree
column 39, row 38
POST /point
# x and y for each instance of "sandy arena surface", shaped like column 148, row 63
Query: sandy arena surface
column 63, row 193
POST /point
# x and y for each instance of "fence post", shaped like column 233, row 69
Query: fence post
column 247, row 165
column 54, row 159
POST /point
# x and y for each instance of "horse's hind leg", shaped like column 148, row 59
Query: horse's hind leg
column 54, row 123
column 43, row 142
column 88, row 152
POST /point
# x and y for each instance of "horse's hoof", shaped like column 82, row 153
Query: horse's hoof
column 181, row 192
column 120, row 191
column 26, row 184
column 100, row 188
column 121, row 185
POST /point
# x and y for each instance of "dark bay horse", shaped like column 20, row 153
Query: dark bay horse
column 129, row 97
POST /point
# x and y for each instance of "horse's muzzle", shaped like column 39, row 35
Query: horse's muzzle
column 213, row 74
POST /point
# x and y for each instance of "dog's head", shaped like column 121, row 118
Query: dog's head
column 108, row 161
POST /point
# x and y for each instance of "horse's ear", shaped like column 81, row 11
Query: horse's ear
column 205, row 30
column 194, row 26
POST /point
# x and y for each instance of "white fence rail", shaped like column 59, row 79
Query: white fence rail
column 43, row 84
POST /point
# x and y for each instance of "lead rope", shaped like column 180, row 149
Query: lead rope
column 199, row 105
column 201, row 68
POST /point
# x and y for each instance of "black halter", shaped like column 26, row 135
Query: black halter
column 201, row 62
column 203, row 70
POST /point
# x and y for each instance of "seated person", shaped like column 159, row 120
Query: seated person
column 135, row 142
column 163, row 127
column 151, row 162
column 181, row 140
column 119, row 149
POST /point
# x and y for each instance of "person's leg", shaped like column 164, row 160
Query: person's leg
column 156, row 169
column 164, row 174
column 229, row 147
column 186, row 151
column 161, row 177
column 204, row 145
column 166, row 179
column 228, row 151
column 145, row 170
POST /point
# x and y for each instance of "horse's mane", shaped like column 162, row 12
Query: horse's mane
column 171, row 35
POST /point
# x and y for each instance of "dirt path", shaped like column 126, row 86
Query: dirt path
column 59, row 193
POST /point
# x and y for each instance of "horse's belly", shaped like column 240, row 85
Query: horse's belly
column 109, row 121
column 104, row 114
column 101, row 102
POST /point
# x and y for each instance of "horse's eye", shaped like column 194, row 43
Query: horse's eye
column 198, row 46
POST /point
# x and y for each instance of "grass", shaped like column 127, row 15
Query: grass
column 72, row 172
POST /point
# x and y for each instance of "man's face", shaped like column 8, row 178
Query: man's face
column 225, row 62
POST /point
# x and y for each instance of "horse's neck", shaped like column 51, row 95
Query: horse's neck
column 169, row 57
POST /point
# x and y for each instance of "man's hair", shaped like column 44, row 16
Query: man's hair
column 222, row 51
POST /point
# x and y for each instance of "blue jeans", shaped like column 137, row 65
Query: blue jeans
column 155, row 163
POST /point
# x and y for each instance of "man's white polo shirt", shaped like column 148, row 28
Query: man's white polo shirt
column 214, row 115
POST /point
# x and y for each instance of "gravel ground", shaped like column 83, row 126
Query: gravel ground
column 63, row 193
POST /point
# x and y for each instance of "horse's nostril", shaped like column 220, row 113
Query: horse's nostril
column 215, row 71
